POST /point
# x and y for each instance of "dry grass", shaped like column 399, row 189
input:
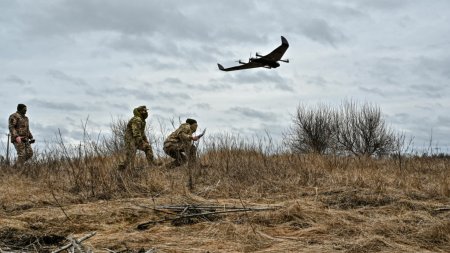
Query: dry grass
column 329, row 204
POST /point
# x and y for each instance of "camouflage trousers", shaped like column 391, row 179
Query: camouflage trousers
column 24, row 152
column 131, row 147
column 181, row 153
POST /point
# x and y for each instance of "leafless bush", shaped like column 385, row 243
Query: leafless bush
column 114, row 143
column 361, row 130
column 312, row 130
column 352, row 129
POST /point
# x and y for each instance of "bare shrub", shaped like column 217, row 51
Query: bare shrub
column 361, row 130
column 312, row 130
column 351, row 129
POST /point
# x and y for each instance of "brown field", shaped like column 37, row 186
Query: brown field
column 328, row 204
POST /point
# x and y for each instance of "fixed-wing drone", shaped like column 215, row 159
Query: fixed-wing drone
column 267, row 61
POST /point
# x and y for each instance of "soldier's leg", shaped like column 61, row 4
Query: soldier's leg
column 174, row 152
column 28, row 151
column 147, row 148
column 130, row 155
column 192, row 154
column 21, row 153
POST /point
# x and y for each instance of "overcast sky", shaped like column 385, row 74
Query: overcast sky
column 69, row 60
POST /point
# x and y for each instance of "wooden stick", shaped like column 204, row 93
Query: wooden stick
column 76, row 242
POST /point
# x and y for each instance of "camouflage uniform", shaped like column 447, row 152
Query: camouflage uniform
column 135, row 138
column 179, row 145
column 19, row 127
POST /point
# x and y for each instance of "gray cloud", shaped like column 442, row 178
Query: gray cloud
column 444, row 121
column 15, row 79
column 162, row 109
column 142, row 94
column 319, row 30
column 59, row 75
column 59, row 106
column 252, row 113
column 213, row 87
column 429, row 90
column 171, row 95
column 259, row 78
column 430, row 67
column 204, row 106
column 375, row 91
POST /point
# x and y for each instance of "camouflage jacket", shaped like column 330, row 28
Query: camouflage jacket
column 19, row 126
column 136, row 128
column 182, row 135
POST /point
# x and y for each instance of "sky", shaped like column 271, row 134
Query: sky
column 95, row 60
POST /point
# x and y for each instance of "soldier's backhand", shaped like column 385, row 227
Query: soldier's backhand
column 18, row 139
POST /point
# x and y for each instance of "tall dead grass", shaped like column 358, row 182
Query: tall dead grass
column 369, row 204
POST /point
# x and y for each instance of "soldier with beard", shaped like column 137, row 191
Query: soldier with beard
column 135, row 139
column 21, row 135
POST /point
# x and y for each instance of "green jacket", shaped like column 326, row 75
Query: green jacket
column 19, row 126
column 182, row 135
column 136, row 128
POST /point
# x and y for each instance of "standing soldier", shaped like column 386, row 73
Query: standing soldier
column 21, row 136
column 135, row 138
column 179, row 144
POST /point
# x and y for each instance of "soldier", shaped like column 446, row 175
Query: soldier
column 21, row 136
column 179, row 144
column 135, row 138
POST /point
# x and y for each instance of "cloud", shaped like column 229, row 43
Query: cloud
column 204, row 106
column 319, row 30
column 252, row 113
column 172, row 95
column 428, row 90
column 59, row 106
column 164, row 110
column 376, row 91
column 15, row 79
column 431, row 67
column 443, row 121
column 213, row 87
column 59, row 75
column 259, row 78
column 120, row 92
column 135, row 18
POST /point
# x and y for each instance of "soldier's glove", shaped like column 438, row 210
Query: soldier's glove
column 31, row 141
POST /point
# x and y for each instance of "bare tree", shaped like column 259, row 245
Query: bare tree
column 360, row 130
column 312, row 130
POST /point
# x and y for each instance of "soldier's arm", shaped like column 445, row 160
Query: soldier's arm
column 30, row 135
column 136, row 129
column 185, row 134
column 12, row 127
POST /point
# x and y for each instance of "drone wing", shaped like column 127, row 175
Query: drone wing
column 249, row 65
column 276, row 54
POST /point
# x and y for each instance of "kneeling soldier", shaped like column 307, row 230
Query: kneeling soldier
column 179, row 144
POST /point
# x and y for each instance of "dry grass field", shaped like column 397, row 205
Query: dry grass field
column 326, row 204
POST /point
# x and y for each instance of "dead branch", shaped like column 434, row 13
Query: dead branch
column 442, row 209
column 75, row 243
